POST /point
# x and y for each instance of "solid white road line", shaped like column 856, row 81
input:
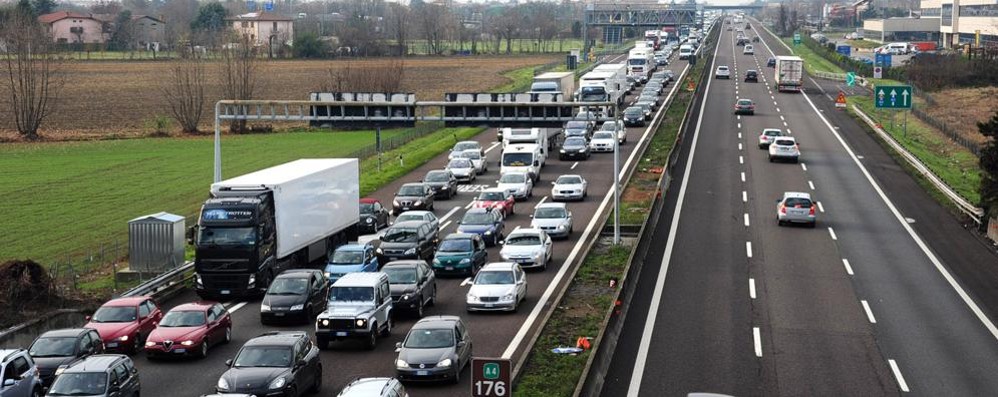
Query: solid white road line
column 748, row 249
column 576, row 164
column 751, row 288
column 869, row 313
column 897, row 374
column 845, row 262
column 444, row 225
column 238, row 306
column 744, row 196
column 543, row 199
column 449, row 213
column 757, row 341
column 804, row 166
column 634, row 387
column 821, row 207
column 811, row 184
column 832, row 233
column 746, row 220
column 743, row 177
column 494, row 145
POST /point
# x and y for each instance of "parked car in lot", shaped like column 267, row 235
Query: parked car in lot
column 351, row 258
column 407, row 240
column 124, row 323
column 421, row 216
column 722, row 72
column 296, row 294
column 190, row 329
column 443, row 183
column 752, row 76
column 484, row 222
column 360, row 307
column 479, row 161
column 460, row 147
column 55, row 350
column 603, row 141
column 499, row 286
column 373, row 215
column 574, row 128
column 461, row 254
column 20, row 376
column 745, row 106
column 374, row 387
column 463, row 169
column 518, row 184
column 527, row 247
column 277, row 363
column 496, row 199
column 414, row 196
column 569, row 187
column 574, row 148
column 634, row 116
column 413, row 286
column 784, row 148
column 100, row 375
column 553, row 218
column 795, row 207
column 436, row 348
column 769, row 135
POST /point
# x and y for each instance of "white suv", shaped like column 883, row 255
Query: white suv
column 20, row 376
column 360, row 307
column 722, row 72
column 784, row 148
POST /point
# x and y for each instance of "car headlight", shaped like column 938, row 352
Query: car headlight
column 410, row 251
column 418, row 203
column 405, row 297
column 395, row 202
column 379, row 251
column 252, row 281
column 197, row 280
column 400, row 363
column 264, row 308
column 369, row 220
column 444, row 363
column 327, row 275
column 60, row 370
column 560, row 227
column 123, row 338
column 187, row 343
column 488, row 232
column 471, row 297
column 583, row 150
column 324, row 322
column 298, row 307
column 507, row 297
column 361, row 323
column 148, row 344
column 562, row 150
column 465, row 260
column 222, row 384
column 277, row 383
column 445, row 187
column 436, row 261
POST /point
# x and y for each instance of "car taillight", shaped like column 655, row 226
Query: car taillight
column 812, row 210
column 783, row 209
column 765, row 138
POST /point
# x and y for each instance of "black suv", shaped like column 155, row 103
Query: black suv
column 295, row 294
column 413, row 196
column 443, row 183
column 752, row 75
column 413, row 286
column 282, row 363
column 407, row 240
column 61, row 348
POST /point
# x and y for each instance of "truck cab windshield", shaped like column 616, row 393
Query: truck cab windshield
column 227, row 236
column 517, row 159
column 637, row 61
column 592, row 94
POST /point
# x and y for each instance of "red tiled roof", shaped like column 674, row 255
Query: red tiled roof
column 57, row 16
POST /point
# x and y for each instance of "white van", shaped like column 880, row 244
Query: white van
column 521, row 136
column 685, row 51
column 897, row 48
column 527, row 158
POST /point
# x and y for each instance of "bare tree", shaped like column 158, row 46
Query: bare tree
column 237, row 72
column 399, row 18
column 184, row 91
column 32, row 74
column 386, row 76
column 434, row 20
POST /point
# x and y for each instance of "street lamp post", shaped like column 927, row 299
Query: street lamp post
column 616, row 181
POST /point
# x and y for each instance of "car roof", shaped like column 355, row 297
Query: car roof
column 368, row 200
column 190, row 306
column 129, row 301
column 525, row 230
column 278, row 338
column 353, row 247
column 297, row 273
column 475, row 142
column 95, row 363
column 360, row 279
column 551, row 205
column 61, row 333
column 416, row 212
column 796, row 195
column 477, row 211
column 572, row 175
column 366, row 387
column 437, row 172
column 771, row 129
column 412, row 184
column 6, row 354
column 498, row 266
column 403, row 263
column 744, row 99
column 788, row 138
column 413, row 224
column 436, row 322
column 462, row 236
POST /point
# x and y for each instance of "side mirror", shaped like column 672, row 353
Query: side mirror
column 8, row 383
column 86, row 318
column 228, row 363
column 461, row 343
column 536, row 163
column 502, row 242
column 398, row 347
column 531, row 215
column 300, row 363
column 113, row 388
column 552, row 182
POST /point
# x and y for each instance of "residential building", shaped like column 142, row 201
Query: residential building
column 72, row 27
column 263, row 28
column 148, row 32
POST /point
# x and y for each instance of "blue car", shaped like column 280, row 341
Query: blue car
column 483, row 222
column 351, row 258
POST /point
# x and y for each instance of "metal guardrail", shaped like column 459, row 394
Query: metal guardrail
column 165, row 283
column 963, row 204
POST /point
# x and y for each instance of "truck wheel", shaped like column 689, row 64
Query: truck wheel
column 372, row 340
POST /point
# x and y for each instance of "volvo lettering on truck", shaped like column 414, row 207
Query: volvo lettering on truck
column 256, row 225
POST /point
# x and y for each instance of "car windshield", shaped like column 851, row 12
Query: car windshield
column 632, row 111
column 53, row 347
column 491, row 196
column 409, row 217
column 722, row 68
column 785, row 142
column 459, row 163
column 574, row 142
column 79, row 384
column 608, row 127
column 550, row 213
column 400, row 235
column 517, row 159
column 579, row 125
column 264, row 356
column 347, row 257
column 524, row 239
column 411, row 190
column 400, row 275
column 603, row 135
column 568, row 180
column 744, row 102
column 288, row 286
column 430, row 339
column 477, row 218
column 438, row 176
column 494, row 277
column 512, row 177
column 796, row 202
column 366, row 208
column 462, row 146
column 187, row 318
column 455, row 245
column 227, row 236
column 471, row 154
column 351, row 294
column 115, row 314
column 772, row 132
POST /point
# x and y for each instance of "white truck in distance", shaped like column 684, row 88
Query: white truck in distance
column 601, row 87
column 789, row 74
column 619, row 80
column 554, row 82
column 640, row 62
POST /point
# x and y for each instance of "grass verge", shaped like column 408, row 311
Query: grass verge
column 813, row 62
column 519, row 80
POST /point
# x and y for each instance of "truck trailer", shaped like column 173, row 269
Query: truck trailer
column 601, row 87
column 554, row 82
column 789, row 73
column 256, row 225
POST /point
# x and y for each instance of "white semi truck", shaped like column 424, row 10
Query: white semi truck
column 553, row 83
column 641, row 64
column 601, row 86
column 789, row 73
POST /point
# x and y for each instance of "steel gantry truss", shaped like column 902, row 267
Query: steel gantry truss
column 642, row 14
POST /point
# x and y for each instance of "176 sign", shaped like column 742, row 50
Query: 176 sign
column 491, row 377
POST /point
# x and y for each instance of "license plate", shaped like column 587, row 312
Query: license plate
column 112, row 344
column 226, row 292
column 422, row 373
column 405, row 208
column 279, row 314
column 489, row 305
column 449, row 268
column 178, row 351
column 341, row 334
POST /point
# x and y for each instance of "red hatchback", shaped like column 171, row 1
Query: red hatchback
column 190, row 329
column 497, row 200
column 124, row 322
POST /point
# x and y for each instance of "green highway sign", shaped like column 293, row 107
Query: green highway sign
column 850, row 79
column 892, row 96
column 491, row 377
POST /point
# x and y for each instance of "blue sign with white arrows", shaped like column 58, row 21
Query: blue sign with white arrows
column 844, row 50
column 882, row 60
column 892, row 96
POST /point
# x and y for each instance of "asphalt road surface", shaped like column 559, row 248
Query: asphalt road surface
column 866, row 303
column 493, row 334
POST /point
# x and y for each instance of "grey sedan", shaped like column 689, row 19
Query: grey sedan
column 436, row 348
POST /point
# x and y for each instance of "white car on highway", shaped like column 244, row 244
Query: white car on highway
column 499, row 286
column 462, row 146
column 528, row 247
column 480, row 162
column 553, row 218
column 722, row 72
column 616, row 127
column 748, row 50
column 603, row 141
column 518, row 184
column 769, row 135
column 784, row 148
column 463, row 169
column 796, row 207
column 569, row 187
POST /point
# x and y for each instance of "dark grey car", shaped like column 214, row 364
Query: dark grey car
column 442, row 182
column 277, row 363
column 573, row 148
column 61, row 348
column 413, row 285
column 413, row 196
column 103, row 375
column 407, row 240
column 578, row 128
column 634, row 116
column 436, row 348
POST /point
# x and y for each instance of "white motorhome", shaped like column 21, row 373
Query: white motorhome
column 640, row 64
column 527, row 158
column 536, row 136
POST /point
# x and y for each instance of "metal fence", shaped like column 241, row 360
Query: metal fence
column 950, row 132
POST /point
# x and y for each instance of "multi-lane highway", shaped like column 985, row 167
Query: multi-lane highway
column 863, row 304
column 493, row 334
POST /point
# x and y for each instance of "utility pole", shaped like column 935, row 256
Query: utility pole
column 616, row 182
